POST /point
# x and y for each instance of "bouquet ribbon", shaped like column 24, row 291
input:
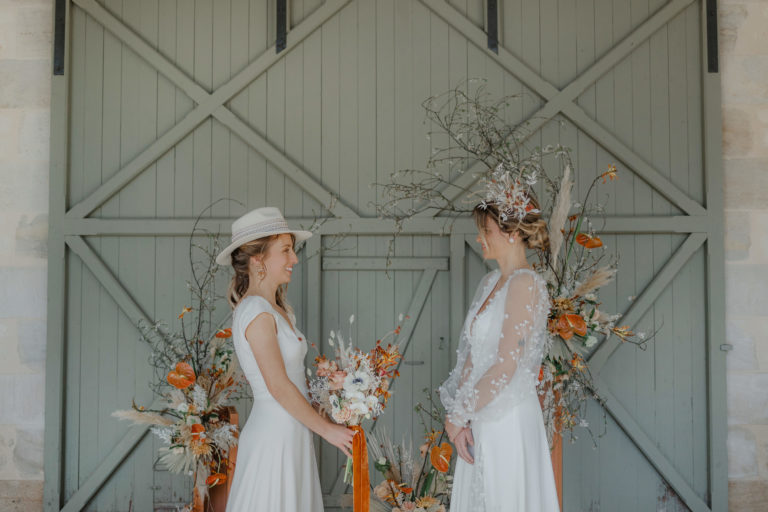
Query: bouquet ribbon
column 361, row 479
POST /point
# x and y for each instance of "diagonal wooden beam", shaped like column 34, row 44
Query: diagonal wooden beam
column 403, row 340
column 635, row 162
column 291, row 169
column 562, row 101
column 648, row 448
column 648, row 296
column 208, row 104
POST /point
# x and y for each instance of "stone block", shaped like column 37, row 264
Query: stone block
column 21, row 495
column 746, row 289
column 31, row 343
column 23, row 293
column 7, row 30
column 743, row 28
column 758, row 251
column 23, row 400
column 742, row 454
column 35, row 135
column 743, row 357
column 747, row 398
column 747, row 495
column 737, row 233
column 745, row 131
column 25, row 84
column 746, row 180
column 28, row 453
column 24, row 187
column 10, row 126
column 32, row 236
column 744, row 78
column 34, row 31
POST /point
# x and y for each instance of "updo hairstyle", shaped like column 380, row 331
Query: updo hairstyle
column 532, row 228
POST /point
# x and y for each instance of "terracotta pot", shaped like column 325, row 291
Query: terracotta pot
column 216, row 501
column 556, row 453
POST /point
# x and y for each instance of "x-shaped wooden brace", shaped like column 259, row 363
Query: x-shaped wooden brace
column 209, row 105
column 558, row 101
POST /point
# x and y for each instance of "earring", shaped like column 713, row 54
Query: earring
column 261, row 273
column 512, row 239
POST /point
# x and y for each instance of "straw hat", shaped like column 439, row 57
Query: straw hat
column 257, row 224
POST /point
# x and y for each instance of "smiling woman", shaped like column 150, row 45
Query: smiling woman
column 276, row 469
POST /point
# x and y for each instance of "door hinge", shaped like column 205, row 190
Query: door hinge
column 726, row 347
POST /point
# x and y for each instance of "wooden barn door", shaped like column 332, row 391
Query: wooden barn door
column 162, row 107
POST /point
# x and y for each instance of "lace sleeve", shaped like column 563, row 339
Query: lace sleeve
column 463, row 368
column 502, row 370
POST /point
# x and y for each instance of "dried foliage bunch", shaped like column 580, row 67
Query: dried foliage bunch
column 414, row 481
column 196, row 378
column 575, row 264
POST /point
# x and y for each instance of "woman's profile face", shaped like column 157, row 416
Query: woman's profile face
column 492, row 239
column 279, row 259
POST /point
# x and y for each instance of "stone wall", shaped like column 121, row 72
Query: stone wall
column 744, row 61
column 25, row 64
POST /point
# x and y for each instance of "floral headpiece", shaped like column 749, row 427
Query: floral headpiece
column 510, row 194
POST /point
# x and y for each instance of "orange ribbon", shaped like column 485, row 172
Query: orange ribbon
column 361, row 483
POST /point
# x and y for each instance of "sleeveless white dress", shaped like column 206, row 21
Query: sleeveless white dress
column 276, row 468
column 493, row 390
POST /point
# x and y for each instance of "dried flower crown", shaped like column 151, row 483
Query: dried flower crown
column 510, row 194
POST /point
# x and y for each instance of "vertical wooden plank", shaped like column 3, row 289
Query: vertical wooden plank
column 184, row 150
column 221, row 171
column 294, row 129
column 258, row 42
column 331, row 104
column 312, row 121
column 70, row 343
column 367, row 55
column 348, row 113
column 458, row 306
column 440, row 341
column 275, row 130
column 238, row 149
column 457, row 69
column 203, row 75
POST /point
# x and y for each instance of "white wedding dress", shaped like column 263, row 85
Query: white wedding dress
column 276, row 468
column 493, row 389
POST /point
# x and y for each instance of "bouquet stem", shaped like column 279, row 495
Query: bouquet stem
column 348, row 471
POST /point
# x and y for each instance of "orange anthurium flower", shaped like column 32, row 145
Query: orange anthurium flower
column 440, row 457
column 182, row 377
column 216, row 479
column 588, row 241
column 224, row 333
column 197, row 429
column 569, row 324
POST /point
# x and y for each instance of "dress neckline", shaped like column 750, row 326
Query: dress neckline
column 491, row 296
column 290, row 326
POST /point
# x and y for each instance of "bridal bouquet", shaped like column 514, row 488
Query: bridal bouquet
column 418, row 482
column 355, row 384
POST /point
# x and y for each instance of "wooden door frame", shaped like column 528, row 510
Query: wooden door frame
column 704, row 225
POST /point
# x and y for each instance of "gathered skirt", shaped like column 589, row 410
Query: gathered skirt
column 512, row 471
column 276, row 468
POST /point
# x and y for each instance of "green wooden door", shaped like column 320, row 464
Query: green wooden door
column 167, row 105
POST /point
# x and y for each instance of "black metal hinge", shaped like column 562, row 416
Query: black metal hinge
column 282, row 25
column 712, row 56
column 493, row 25
column 59, row 32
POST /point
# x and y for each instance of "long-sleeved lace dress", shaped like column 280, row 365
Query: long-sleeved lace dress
column 493, row 390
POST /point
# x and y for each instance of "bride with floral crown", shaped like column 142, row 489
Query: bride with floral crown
column 493, row 414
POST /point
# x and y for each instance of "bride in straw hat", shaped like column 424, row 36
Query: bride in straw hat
column 276, row 467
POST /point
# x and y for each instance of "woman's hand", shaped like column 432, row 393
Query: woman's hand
column 340, row 437
column 452, row 430
column 463, row 440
